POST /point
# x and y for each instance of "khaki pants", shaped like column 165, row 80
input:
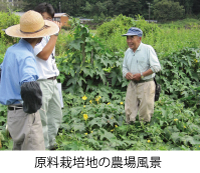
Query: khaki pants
column 140, row 97
column 25, row 130
column 51, row 113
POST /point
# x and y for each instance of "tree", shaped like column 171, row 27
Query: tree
column 4, row 6
column 17, row 5
column 110, row 7
column 196, row 7
column 98, row 8
column 188, row 4
column 132, row 7
column 88, row 8
column 91, row 8
column 168, row 10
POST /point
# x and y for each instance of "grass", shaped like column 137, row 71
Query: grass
column 93, row 31
column 169, row 37
column 188, row 22
column 173, row 39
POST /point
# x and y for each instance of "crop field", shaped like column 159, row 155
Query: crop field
column 90, row 64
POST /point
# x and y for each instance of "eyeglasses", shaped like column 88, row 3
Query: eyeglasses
column 49, row 19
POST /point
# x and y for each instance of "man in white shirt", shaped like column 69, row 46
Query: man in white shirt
column 139, row 66
column 51, row 113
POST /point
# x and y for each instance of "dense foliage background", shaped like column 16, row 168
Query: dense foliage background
column 94, row 91
column 161, row 10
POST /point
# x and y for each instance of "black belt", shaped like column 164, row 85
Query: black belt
column 52, row 78
column 142, row 81
column 17, row 107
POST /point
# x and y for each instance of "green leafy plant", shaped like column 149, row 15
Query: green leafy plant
column 5, row 141
column 179, row 72
column 97, row 124
column 87, row 61
column 11, row 19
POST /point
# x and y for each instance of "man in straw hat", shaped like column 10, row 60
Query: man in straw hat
column 139, row 66
column 18, row 86
column 45, row 51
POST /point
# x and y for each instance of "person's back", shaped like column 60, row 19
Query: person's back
column 17, row 58
column 19, row 89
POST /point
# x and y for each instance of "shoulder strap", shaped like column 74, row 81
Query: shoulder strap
column 155, row 79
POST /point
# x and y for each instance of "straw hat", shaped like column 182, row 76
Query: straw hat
column 32, row 25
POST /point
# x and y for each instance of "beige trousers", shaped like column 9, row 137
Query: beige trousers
column 25, row 130
column 140, row 97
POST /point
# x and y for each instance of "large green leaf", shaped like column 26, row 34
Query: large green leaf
column 78, row 127
column 117, row 143
column 75, row 111
column 99, row 121
column 2, row 119
column 76, row 44
column 175, row 137
column 189, row 139
column 1, row 136
column 106, row 135
column 93, row 142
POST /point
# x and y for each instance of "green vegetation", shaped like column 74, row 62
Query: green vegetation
column 6, row 6
column 94, row 90
column 97, row 123
column 6, row 41
column 165, row 39
column 168, row 10
column 186, row 23
column 164, row 10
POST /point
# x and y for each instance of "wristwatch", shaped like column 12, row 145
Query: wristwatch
column 142, row 76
